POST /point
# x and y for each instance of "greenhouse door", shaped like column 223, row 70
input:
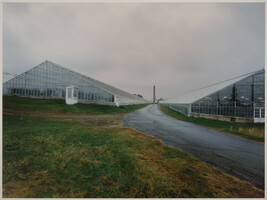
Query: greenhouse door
column 71, row 95
column 259, row 114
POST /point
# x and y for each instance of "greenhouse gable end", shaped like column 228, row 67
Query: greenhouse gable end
column 50, row 80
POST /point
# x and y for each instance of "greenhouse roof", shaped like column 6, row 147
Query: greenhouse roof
column 193, row 96
column 110, row 89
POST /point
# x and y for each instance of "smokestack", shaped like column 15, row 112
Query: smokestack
column 154, row 95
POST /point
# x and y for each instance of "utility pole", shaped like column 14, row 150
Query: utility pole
column 154, row 95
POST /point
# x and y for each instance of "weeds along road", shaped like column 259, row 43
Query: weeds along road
column 234, row 155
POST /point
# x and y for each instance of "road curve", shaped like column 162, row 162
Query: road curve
column 237, row 156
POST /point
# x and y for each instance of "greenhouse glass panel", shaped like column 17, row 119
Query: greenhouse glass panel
column 49, row 80
column 235, row 100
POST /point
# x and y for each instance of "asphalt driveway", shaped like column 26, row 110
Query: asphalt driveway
column 237, row 156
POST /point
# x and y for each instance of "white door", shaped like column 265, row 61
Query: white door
column 71, row 95
column 259, row 114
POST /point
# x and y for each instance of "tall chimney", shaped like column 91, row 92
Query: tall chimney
column 154, row 95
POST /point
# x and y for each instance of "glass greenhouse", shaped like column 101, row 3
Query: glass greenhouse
column 244, row 99
column 50, row 80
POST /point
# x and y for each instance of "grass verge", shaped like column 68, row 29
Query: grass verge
column 254, row 131
column 59, row 106
column 49, row 158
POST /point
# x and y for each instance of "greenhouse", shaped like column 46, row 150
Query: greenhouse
column 241, row 101
column 50, row 80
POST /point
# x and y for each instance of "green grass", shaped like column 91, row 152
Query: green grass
column 69, row 159
column 48, row 158
column 59, row 106
column 254, row 131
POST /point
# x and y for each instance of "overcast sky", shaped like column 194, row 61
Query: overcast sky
column 176, row 46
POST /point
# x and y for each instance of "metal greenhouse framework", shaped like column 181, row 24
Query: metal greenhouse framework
column 242, row 99
column 50, row 80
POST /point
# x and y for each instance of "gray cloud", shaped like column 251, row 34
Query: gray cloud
column 176, row 46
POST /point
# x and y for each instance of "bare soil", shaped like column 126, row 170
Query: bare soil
column 107, row 120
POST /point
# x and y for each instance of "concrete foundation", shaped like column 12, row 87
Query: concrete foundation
column 223, row 118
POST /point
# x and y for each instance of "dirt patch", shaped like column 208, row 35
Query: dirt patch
column 20, row 189
column 106, row 120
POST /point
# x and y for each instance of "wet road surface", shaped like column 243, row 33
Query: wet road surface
column 237, row 156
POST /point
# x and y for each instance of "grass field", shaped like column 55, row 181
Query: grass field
column 62, row 157
column 49, row 158
column 254, row 131
column 59, row 106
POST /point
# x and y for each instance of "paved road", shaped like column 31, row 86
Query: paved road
column 236, row 156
